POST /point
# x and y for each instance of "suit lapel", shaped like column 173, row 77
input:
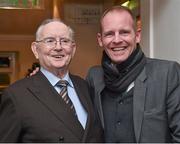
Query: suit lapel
column 138, row 103
column 45, row 92
column 81, row 92
column 84, row 96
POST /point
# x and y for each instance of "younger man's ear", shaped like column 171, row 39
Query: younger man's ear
column 99, row 38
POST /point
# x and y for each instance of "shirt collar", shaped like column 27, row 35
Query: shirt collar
column 54, row 79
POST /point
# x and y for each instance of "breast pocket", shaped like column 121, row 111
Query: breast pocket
column 155, row 112
column 155, row 125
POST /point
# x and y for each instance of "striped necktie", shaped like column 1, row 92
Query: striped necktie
column 64, row 94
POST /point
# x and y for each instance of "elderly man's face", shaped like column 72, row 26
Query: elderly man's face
column 55, row 48
column 118, row 37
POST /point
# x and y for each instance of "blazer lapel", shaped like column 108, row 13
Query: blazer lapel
column 138, row 103
column 48, row 96
column 99, row 85
column 99, row 103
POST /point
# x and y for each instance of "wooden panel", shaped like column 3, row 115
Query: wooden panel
column 84, row 1
column 21, row 21
column 119, row 2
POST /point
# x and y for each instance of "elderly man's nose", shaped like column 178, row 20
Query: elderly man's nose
column 58, row 45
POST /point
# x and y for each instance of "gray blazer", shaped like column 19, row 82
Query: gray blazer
column 32, row 111
column 156, row 100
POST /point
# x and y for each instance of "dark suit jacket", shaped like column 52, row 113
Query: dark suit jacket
column 32, row 111
column 156, row 100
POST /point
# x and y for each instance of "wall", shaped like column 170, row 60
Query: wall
column 88, row 52
column 21, row 45
column 17, row 29
column 161, row 30
column 145, row 24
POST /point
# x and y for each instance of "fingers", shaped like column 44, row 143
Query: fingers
column 34, row 71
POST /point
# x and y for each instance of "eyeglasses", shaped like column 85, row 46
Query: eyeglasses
column 51, row 42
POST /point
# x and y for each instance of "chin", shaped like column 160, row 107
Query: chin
column 118, row 61
column 58, row 66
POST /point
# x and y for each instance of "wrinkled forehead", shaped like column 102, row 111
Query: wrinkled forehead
column 54, row 29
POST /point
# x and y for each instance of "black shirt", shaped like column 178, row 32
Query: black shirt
column 118, row 116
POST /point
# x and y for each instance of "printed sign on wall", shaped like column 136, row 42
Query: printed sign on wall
column 82, row 14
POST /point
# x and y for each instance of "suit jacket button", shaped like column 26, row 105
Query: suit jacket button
column 61, row 139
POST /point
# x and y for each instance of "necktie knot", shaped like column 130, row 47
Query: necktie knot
column 62, row 83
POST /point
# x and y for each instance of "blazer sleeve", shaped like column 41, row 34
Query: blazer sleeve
column 173, row 101
column 9, row 123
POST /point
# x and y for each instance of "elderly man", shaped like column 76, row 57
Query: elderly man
column 137, row 98
column 53, row 105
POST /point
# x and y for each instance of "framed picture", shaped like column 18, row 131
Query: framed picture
column 21, row 4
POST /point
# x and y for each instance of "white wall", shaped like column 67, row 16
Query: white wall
column 161, row 28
